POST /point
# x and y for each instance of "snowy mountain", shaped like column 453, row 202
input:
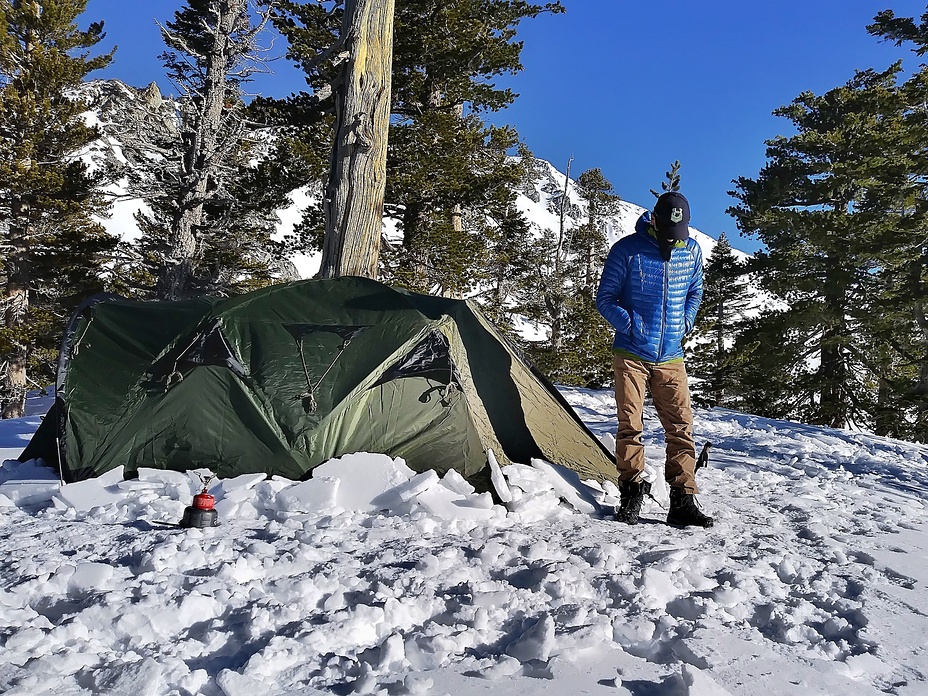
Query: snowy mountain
column 120, row 104
column 813, row 580
column 539, row 202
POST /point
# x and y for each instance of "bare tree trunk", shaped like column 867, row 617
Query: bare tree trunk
column 199, row 158
column 14, row 308
column 554, row 300
column 561, row 231
column 15, row 305
column 357, row 172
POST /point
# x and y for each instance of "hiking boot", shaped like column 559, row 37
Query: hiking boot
column 632, row 496
column 684, row 510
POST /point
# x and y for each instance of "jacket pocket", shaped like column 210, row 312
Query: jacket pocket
column 636, row 333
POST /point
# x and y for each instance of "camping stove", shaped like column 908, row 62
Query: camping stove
column 201, row 513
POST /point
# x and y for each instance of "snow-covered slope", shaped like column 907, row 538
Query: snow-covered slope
column 120, row 104
column 539, row 201
column 371, row 580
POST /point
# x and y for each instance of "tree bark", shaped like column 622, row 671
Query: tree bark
column 15, row 309
column 15, row 306
column 357, row 172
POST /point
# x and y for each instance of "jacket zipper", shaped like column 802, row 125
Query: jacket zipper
column 660, row 344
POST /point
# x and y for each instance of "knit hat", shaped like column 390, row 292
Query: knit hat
column 672, row 215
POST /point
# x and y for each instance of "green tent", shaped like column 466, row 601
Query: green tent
column 284, row 378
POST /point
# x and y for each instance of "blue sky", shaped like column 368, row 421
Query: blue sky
column 630, row 86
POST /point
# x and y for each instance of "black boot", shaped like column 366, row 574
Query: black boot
column 684, row 510
column 632, row 496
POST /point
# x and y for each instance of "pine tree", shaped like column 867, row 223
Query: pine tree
column 589, row 239
column 562, row 288
column 673, row 180
column 808, row 206
column 588, row 336
column 898, row 208
column 52, row 250
column 445, row 166
column 725, row 301
column 206, row 173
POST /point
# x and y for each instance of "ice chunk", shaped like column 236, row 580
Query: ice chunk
column 406, row 491
column 866, row 665
column 317, row 494
column 657, row 588
column 162, row 476
column 568, row 485
column 452, row 480
column 30, row 492
column 698, row 683
column 536, row 643
column 96, row 492
column 88, row 577
column 142, row 678
column 244, row 482
column 32, row 470
column 448, row 505
column 497, row 478
column 364, row 477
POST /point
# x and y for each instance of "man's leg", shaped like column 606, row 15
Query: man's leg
column 671, row 394
column 631, row 376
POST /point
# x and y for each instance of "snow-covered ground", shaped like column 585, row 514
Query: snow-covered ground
column 370, row 580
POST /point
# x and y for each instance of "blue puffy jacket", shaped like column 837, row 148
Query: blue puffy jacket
column 652, row 303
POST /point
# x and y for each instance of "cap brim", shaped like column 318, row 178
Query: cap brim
column 679, row 231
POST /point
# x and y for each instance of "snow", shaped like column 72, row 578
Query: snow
column 543, row 215
column 373, row 579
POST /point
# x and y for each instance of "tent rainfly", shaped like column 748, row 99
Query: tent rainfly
column 284, row 378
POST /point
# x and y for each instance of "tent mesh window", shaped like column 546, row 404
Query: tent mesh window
column 299, row 332
column 208, row 346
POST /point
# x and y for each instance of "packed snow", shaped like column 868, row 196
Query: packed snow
column 372, row 579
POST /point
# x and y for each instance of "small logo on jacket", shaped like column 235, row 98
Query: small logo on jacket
column 676, row 214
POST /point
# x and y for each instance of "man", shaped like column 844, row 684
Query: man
column 650, row 291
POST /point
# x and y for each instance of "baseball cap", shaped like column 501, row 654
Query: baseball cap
column 672, row 214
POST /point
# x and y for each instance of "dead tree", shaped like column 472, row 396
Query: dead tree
column 357, row 173
column 209, row 59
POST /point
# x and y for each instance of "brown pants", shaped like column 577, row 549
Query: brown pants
column 671, row 394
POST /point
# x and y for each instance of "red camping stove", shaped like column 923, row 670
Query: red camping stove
column 201, row 513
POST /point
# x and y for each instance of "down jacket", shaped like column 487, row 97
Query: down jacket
column 651, row 303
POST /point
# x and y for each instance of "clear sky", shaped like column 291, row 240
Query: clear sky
column 629, row 86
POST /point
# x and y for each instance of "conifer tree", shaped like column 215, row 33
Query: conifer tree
column 51, row 249
column 726, row 298
column 898, row 208
column 589, row 239
column 445, row 165
column 587, row 345
column 562, row 289
column 508, row 265
column 206, row 176
column 673, row 180
column 808, row 208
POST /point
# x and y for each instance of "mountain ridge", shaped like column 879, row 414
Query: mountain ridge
column 123, row 104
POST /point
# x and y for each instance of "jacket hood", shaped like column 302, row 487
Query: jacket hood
column 643, row 225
